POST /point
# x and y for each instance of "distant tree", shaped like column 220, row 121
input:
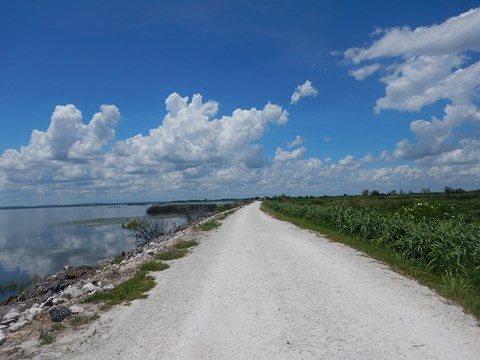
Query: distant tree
column 365, row 192
column 426, row 191
column 449, row 190
column 401, row 192
column 393, row 192
column 375, row 193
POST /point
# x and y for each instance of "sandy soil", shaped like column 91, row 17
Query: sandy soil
column 258, row 288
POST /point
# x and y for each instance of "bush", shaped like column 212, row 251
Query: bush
column 148, row 229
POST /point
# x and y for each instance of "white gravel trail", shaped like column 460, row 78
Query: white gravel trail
column 259, row 288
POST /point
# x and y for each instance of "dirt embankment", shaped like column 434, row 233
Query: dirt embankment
column 258, row 288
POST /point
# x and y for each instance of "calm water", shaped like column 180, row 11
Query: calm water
column 42, row 241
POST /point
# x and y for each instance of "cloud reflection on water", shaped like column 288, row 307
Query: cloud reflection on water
column 43, row 241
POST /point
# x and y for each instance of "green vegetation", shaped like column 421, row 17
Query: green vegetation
column 153, row 266
column 148, row 229
column 171, row 254
column 57, row 326
column 79, row 320
column 47, row 339
column 119, row 259
column 131, row 289
column 186, row 244
column 139, row 284
column 436, row 241
column 210, row 225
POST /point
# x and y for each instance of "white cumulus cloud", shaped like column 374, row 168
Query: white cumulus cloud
column 420, row 67
column 283, row 155
column 295, row 142
column 303, row 90
column 189, row 136
column 364, row 71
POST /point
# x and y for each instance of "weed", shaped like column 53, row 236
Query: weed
column 210, row 225
column 47, row 339
column 79, row 320
column 57, row 327
column 456, row 286
column 186, row 244
column 129, row 290
column 153, row 266
column 171, row 254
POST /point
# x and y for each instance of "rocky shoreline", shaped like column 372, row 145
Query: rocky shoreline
column 60, row 295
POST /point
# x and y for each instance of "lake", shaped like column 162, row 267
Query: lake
column 40, row 241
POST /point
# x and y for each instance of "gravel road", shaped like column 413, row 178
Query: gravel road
column 258, row 288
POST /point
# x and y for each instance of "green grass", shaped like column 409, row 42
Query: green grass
column 171, row 254
column 210, row 225
column 127, row 291
column 79, row 320
column 131, row 289
column 226, row 214
column 449, row 284
column 57, row 326
column 153, row 266
column 47, row 339
column 138, row 286
column 185, row 244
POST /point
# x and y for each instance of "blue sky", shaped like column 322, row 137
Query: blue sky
column 156, row 100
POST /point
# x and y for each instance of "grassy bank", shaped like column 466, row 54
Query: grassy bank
column 138, row 286
column 439, row 248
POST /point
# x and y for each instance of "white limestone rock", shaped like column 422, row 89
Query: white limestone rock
column 71, row 292
column 57, row 301
column 75, row 309
column 88, row 288
column 108, row 287
column 35, row 309
column 12, row 314
column 18, row 325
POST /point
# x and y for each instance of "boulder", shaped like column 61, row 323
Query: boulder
column 108, row 287
column 12, row 315
column 57, row 301
column 72, row 292
column 18, row 325
column 7, row 322
column 58, row 314
column 71, row 274
column 75, row 309
column 3, row 337
column 34, row 310
column 26, row 316
column 88, row 288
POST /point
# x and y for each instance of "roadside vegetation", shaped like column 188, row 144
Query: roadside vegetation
column 155, row 224
column 138, row 286
column 434, row 238
column 210, row 225
column 125, row 292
